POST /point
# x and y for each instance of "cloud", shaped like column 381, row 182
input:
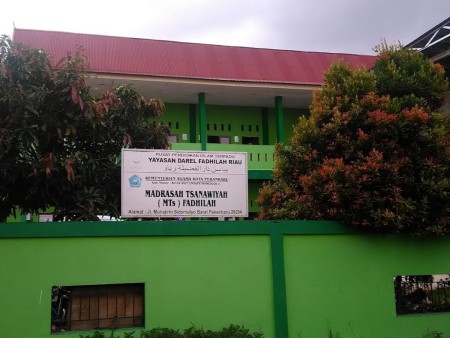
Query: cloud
column 351, row 26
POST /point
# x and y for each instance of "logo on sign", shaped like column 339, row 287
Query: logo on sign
column 135, row 181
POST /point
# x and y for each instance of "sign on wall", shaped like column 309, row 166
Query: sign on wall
column 166, row 183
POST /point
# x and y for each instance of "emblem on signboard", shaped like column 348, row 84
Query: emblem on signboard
column 135, row 181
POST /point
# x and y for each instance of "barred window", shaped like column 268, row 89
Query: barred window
column 422, row 293
column 90, row 307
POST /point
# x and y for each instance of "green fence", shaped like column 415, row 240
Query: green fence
column 286, row 279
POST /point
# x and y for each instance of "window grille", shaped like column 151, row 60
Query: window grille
column 97, row 307
column 422, row 293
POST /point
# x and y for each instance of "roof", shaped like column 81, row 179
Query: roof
column 157, row 58
column 435, row 43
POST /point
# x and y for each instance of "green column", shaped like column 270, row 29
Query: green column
column 280, row 119
column 192, row 123
column 265, row 125
column 202, row 118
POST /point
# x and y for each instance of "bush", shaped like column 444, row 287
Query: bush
column 374, row 153
column 232, row 331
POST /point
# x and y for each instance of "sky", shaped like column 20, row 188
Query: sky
column 343, row 26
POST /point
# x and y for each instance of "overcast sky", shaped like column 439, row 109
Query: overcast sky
column 347, row 26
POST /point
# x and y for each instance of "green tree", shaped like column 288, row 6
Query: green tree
column 374, row 152
column 59, row 145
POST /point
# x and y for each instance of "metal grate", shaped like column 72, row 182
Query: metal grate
column 422, row 293
column 100, row 307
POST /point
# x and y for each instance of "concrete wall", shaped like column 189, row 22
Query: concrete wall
column 286, row 279
column 344, row 283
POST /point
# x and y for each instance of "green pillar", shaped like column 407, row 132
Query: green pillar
column 280, row 119
column 202, row 118
column 265, row 125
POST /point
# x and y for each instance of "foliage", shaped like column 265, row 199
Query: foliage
column 434, row 334
column 232, row 331
column 374, row 153
column 59, row 145
column 96, row 334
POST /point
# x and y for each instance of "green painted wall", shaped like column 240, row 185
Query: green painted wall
column 303, row 278
column 253, row 188
column 345, row 284
column 259, row 157
column 236, row 121
column 230, row 121
column 177, row 115
column 290, row 116
column 207, row 281
column 272, row 119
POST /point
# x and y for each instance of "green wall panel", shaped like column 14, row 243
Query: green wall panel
column 243, row 121
column 177, row 115
column 291, row 117
column 305, row 278
column 345, row 284
column 210, row 282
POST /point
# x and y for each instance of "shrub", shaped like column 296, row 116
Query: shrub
column 374, row 152
column 232, row 331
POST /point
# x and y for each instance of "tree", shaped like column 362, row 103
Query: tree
column 59, row 145
column 374, row 152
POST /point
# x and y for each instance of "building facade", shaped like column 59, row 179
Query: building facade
column 217, row 98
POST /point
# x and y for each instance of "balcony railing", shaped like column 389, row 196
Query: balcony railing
column 260, row 157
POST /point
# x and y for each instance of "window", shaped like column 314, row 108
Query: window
column 422, row 293
column 92, row 307
column 250, row 140
column 219, row 139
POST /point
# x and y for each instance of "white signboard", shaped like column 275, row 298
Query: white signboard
column 166, row 183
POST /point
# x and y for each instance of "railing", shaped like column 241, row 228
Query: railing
column 260, row 157
column 421, row 294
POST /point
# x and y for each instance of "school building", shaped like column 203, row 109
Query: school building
column 217, row 98
column 284, row 279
